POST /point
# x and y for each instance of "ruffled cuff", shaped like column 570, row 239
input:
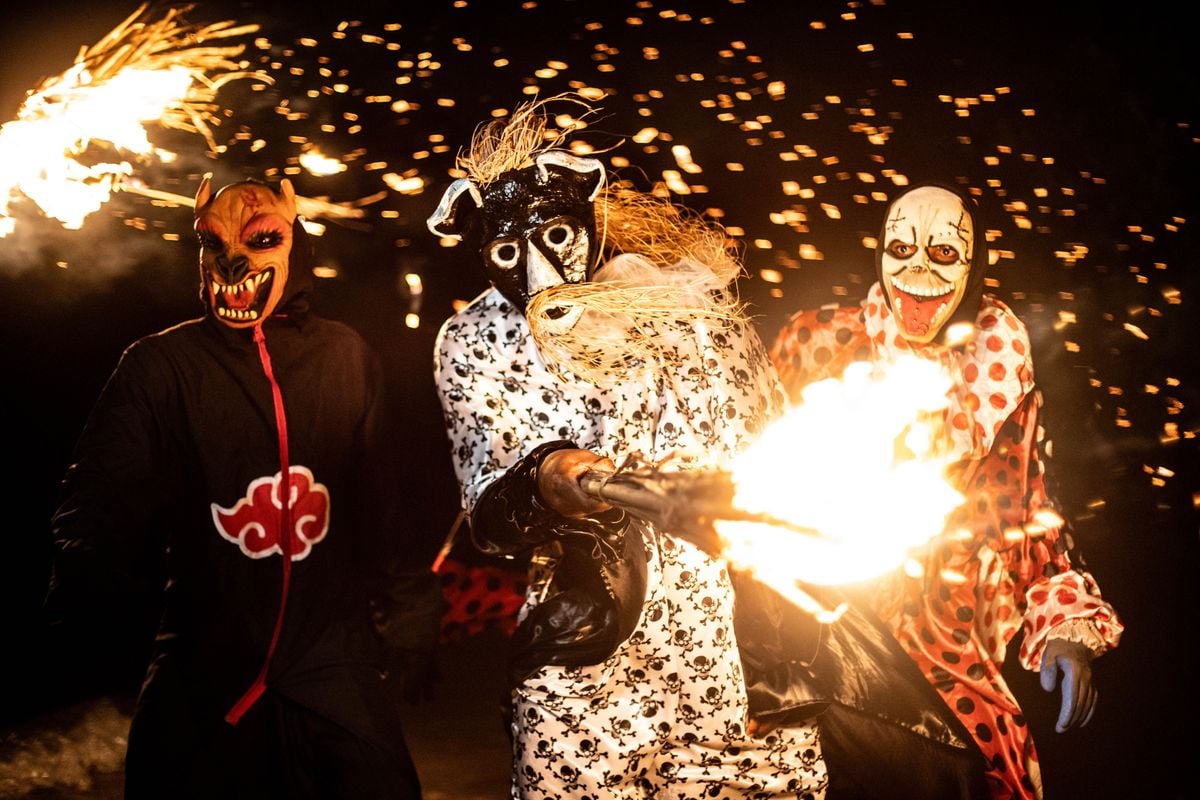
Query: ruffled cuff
column 1060, row 607
column 1081, row 631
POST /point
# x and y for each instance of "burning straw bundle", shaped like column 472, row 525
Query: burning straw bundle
column 163, row 70
column 168, row 44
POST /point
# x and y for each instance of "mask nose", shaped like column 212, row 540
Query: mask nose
column 232, row 270
column 539, row 272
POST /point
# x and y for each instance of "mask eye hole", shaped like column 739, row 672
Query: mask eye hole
column 899, row 249
column 210, row 242
column 504, row 254
column 942, row 254
column 558, row 236
column 264, row 240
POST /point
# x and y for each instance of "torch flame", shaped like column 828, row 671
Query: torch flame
column 859, row 461
column 142, row 71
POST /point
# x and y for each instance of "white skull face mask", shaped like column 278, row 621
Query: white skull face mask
column 925, row 257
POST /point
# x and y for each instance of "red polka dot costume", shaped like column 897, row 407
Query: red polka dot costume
column 479, row 597
column 998, row 570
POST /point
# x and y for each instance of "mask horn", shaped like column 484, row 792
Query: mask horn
column 446, row 220
column 577, row 164
column 288, row 192
column 204, row 192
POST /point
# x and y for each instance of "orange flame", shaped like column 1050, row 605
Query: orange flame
column 860, row 461
column 143, row 71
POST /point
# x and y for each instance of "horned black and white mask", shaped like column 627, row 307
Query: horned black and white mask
column 535, row 227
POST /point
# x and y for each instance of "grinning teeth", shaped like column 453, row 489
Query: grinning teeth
column 239, row 315
column 250, row 283
column 924, row 292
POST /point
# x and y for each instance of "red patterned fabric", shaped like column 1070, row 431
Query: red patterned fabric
column 996, row 571
column 479, row 597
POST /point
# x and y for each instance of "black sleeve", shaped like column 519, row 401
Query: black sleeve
column 510, row 517
column 403, row 593
column 114, row 489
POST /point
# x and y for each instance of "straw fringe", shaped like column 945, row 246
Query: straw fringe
column 169, row 42
column 669, row 270
column 501, row 145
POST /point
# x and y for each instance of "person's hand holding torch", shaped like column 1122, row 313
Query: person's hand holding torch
column 559, row 481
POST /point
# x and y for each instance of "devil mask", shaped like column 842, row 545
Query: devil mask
column 535, row 226
column 246, row 233
column 928, row 261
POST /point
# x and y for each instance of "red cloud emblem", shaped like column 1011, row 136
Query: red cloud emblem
column 253, row 522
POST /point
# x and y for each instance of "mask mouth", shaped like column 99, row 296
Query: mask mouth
column 244, row 301
column 921, row 311
column 556, row 318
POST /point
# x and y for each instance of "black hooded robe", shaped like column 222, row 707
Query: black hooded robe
column 185, row 425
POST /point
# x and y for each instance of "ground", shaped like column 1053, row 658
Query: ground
column 457, row 739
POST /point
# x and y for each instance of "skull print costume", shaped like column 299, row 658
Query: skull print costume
column 626, row 672
column 1014, row 572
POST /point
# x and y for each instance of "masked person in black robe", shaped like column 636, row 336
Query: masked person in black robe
column 286, row 602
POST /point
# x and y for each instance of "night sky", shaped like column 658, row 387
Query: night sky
column 1079, row 135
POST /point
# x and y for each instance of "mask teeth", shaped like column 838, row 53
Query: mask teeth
column 251, row 283
column 239, row 316
column 921, row 292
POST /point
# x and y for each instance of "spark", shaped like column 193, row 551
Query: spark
column 319, row 164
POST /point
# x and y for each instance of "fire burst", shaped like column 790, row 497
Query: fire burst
column 859, row 461
column 143, row 71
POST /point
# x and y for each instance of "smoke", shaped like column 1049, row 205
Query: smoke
column 111, row 244
column 71, row 750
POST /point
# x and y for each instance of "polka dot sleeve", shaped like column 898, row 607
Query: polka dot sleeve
column 996, row 375
column 1061, row 595
column 815, row 345
column 1059, row 602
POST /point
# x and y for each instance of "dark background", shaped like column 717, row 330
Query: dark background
column 1079, row 136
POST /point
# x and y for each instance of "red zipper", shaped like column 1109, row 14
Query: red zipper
column 285, row 533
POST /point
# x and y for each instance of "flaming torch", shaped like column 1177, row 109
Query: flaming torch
column 843, row 488
column 145, row 70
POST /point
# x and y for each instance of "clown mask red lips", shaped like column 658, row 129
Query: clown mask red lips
column 921, row 315
column 929, row 240
column 245, row 234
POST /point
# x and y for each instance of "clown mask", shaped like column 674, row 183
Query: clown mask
column 535, row 226
column 925, row 257
column 245, row 233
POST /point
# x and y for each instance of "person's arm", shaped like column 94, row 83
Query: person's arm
column 502, row 429
column 113, row 490
column 539, row 498
column 403, row 593
column 818, row 344
column 1067, row 622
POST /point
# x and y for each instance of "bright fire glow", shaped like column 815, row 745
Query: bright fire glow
column 97, row 111
column 39, row 149
column 856, row 461
column 319, row 164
